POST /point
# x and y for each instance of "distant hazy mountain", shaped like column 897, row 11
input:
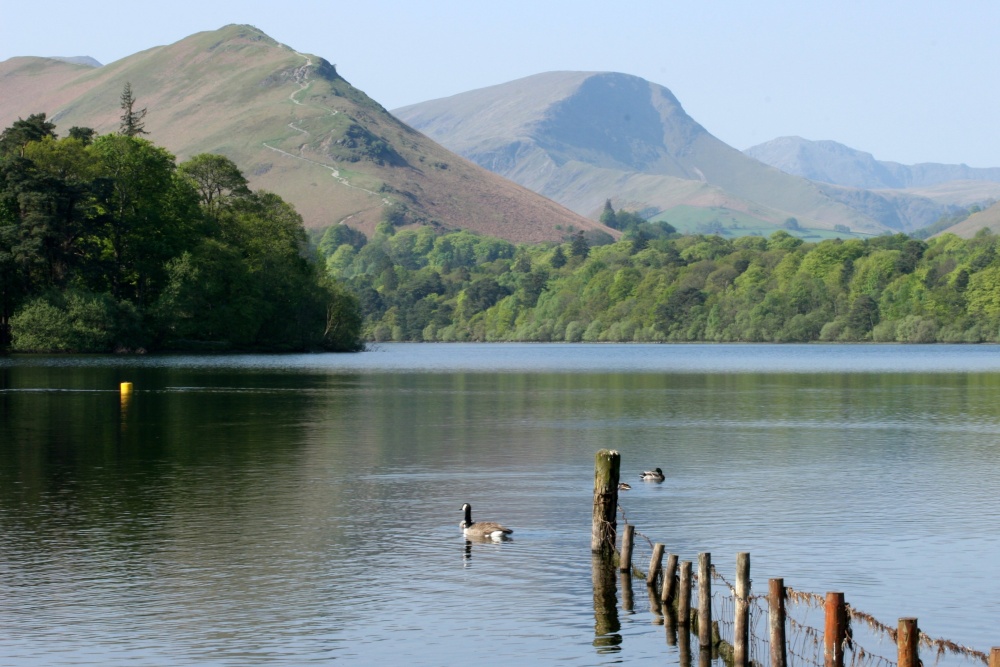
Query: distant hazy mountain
column 832, row 162
column 583, row 137
column 293, row 125
column 78, row 60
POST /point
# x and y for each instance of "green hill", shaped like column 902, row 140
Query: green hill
column 293, row 125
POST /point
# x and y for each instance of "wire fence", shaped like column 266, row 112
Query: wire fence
column 869, row 642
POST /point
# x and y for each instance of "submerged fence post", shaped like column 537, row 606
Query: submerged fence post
column 625, row 561
column 705, row 600
column 776, row 603
column 907, row 643
column 836, row 630
column 668, row 591
column 655, row 563
column 605, row 522
column 684, row 596
column 741, row 624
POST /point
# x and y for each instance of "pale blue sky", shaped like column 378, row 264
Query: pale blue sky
column 906, row 81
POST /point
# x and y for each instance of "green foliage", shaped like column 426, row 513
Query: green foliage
column 216, row 178
column 75, row 322
column 106, row 245
column 15, row 138
column 462, row 287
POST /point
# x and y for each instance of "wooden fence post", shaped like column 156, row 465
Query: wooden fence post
column 836, row 630
column 907, row 643
column 625, row 560
column 705, row 600
column 995, row 656
column 776, row 603
column 604, row 527
column 668, row 591
column 741, row 624
column 684, row 596
column 655, row 563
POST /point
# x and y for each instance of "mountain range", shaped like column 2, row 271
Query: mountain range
column 529, row 160
column 583, row 137
column 293, row 125
column 837, row 164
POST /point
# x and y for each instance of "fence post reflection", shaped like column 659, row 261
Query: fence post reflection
column 606, row 623
column 628, row 604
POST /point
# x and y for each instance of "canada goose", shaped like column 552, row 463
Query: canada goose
column 652, row 475
column 624, row 486
column 489, row 529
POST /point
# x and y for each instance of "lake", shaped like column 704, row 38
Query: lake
column 253, row 509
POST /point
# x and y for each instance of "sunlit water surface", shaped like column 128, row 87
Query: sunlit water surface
column 290, row 509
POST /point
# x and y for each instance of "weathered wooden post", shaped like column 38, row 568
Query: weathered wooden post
column 705, row 600
column 605, row 522
column 995, row 656
column 836, row 630
column 668, row 591
column 741, row 624
column 625, row 561
column 684, row 596
column 776, row 603
column 907, row 643
column 655, row 563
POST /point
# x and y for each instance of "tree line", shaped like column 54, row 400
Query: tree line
column 107, row 244
column 416, row 285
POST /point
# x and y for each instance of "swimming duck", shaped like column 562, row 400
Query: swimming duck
column 489, row 529
column 624, row 486
column 652, row 475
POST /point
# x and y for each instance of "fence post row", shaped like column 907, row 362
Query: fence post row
column 678, row 588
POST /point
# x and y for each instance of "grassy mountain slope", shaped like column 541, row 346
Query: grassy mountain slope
column 628, row 140
column 293, row 125
column 988, row 218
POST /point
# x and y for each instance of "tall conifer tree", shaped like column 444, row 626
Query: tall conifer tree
column 131, row 121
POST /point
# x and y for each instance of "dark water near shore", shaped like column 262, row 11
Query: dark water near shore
column 284, row 509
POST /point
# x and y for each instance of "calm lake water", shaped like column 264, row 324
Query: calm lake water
column 290, row 509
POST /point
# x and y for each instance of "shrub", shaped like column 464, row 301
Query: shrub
column 75, row 322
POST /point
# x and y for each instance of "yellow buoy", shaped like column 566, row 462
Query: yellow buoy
column 126, row 388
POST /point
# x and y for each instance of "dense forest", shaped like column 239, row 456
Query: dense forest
column 106, row 244
column 416, row 285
